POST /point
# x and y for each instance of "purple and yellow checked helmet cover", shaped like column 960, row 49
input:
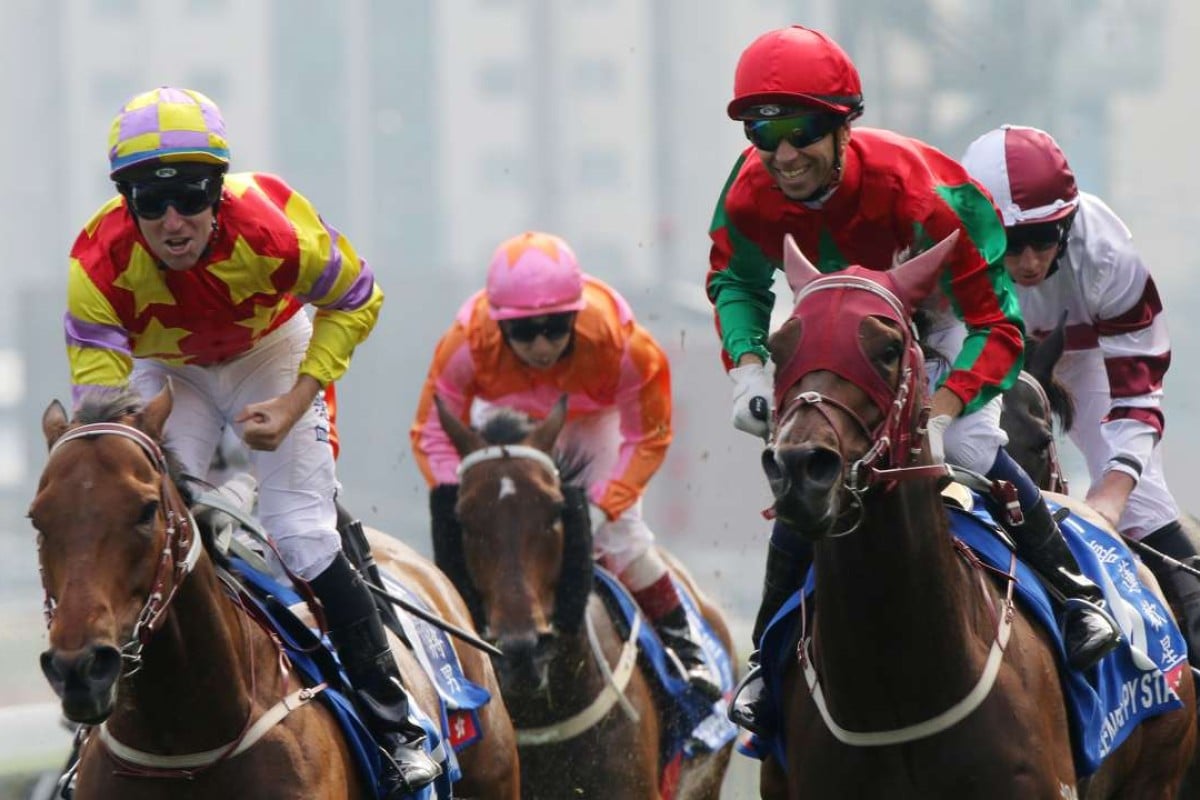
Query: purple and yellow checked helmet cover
column 167, row 124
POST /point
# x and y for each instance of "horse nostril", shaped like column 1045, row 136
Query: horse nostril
column 816, row 467
column 52, row 667
column 104, row 665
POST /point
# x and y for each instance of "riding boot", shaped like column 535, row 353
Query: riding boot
column 785, row 572
column 356, row 630
column 1181, row 587
column 676, row 635
column 1088, row 630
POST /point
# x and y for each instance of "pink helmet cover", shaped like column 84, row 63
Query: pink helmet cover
column 533, row 274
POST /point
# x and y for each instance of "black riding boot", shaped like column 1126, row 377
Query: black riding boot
column 1088, row 631
column 784, row 573
column 676, row 635
column 357, row 632
column 1182, row 588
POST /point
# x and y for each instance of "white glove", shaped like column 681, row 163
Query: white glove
column 936, row 431
column 753, row 399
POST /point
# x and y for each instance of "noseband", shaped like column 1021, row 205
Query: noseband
column 181, row 546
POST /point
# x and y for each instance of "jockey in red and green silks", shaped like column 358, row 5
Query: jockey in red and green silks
column 874, row 198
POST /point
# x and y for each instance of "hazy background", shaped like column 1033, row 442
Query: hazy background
column 429, row 131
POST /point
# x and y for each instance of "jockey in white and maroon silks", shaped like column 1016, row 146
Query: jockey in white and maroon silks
column 873, row 198
column 1068, row 252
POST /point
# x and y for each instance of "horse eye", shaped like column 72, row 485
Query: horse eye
column 149, row 510
column 892, row 352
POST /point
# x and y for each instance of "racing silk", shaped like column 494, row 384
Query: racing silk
column 612, row 362
column 271, row 254
column 897, row 197
column 1116, row 335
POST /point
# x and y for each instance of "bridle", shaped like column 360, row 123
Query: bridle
column 897, row 440
column 181, row 545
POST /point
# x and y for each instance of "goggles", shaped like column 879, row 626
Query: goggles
column 799, row 131
column 527, row 329
column 150, row 201
column 1041, row 237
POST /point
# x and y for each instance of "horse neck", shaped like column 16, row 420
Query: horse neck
column 193, row 691
column 894, row 612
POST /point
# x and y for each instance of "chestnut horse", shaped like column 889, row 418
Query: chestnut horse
column 586, row 716
column 147, row 646
column 914, row 691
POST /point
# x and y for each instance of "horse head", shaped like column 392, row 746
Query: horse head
column 1030, row 407
column 114, row 543
column 526, row 540
column 849, row 388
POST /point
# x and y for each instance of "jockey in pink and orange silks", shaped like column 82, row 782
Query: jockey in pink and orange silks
column 542, row 329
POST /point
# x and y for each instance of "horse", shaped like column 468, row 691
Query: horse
column 586, row 715
column 147, row 649
column 905, row 685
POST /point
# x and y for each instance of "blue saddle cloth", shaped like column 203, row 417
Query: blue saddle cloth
column 696, row 724
column 460, row 698
column 1134, row 682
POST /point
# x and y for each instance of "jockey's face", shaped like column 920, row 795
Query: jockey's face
column 177, row 240
column 802, row 172
column 1029, row 266
column 539, row 341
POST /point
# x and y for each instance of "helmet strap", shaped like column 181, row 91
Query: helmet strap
column 1062, row 243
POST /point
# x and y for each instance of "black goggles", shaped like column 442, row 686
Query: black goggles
column 1042, row 237
column 150, row 201
column 527, row 329
column 799, row 131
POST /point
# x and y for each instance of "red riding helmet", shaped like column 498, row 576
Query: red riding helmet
column 1026, row 173
column 796, row 66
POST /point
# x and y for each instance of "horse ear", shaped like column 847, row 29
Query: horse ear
column 782, row 343
column 800, row 271
column 54, row 422
column 463, row 438
column 916, row 278
column 154, row 414
column 1045, row 354
column 546, row 433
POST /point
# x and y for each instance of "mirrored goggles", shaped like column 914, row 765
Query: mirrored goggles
column 1041, row 237
column 527, row 329
column 799, row 131
column 150, row 201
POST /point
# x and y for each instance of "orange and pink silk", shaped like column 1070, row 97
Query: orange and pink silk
column 613, row 362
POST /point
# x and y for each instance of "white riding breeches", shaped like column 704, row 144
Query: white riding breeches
column 297, row 483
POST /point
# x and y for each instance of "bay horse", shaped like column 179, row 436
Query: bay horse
column 587, row 721
column 914, row 691
column 145, row 645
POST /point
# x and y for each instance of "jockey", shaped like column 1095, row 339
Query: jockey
column 198, row 277
column 874, row 198
column 1068, row 251
column 540, row 329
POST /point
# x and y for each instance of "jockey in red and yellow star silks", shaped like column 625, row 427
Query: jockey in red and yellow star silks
column 197, row 278
column 539, row 330
column 874, row 198
column 269, row 255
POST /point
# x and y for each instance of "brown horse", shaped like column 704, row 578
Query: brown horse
column 587, row 721
column 915, row 692
column 146, row 645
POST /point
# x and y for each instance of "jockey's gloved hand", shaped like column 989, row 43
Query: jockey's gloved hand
column 936, row 431
column 753, row 398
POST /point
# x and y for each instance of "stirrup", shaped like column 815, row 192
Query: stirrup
column 421, row 771
column 749, row 702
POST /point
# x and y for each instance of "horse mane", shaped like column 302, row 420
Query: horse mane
column 1062, row 402
column 509, row 426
